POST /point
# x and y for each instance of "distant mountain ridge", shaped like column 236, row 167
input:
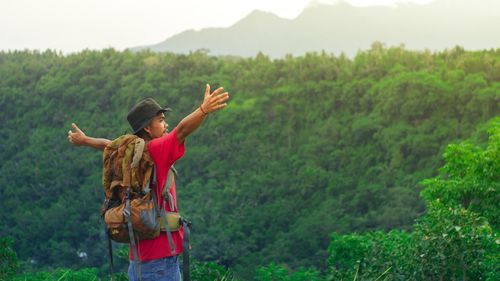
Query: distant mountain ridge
column 345, row 28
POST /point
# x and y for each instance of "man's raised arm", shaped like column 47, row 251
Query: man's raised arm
column 211, row 103
column 79, row 138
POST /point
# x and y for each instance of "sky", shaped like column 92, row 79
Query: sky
column 74, row 25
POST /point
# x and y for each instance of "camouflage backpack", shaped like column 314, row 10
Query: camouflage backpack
column 130, row 210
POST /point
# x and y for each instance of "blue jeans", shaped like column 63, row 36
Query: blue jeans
column 165, row 269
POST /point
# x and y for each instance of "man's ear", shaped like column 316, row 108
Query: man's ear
column 147, row 130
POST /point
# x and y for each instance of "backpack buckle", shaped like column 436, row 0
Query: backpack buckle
column 107, row 203
column 185, row 222
column 126, row 213
column 127, row 193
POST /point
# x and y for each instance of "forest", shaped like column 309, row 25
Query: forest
column 383, row 166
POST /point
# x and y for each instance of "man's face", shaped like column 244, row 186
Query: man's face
column 157, row 127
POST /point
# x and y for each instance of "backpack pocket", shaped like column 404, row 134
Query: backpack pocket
column 145, row 220
column 174, row 221
column 116, row 224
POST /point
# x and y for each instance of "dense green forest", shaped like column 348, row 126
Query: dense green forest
column 312, row 172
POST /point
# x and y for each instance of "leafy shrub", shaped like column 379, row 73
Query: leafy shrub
column 8, row 258
column 274, row 272
column 370, row 256
column 454, row 243
column 209, row 271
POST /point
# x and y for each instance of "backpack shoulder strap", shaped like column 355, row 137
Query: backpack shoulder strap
column 167, row 196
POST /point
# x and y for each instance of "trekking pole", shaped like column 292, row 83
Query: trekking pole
column 110, row 254
column 185, row 245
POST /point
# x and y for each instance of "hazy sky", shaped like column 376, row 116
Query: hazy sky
column 74, row 25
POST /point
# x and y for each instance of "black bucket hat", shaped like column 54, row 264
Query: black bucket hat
column 143, row 112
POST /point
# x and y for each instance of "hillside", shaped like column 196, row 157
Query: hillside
column 308, row 146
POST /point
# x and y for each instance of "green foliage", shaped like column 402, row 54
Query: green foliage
column 84, row 274
column 307, row 146
column 455, row 239
column 470, row 178
column 200, row 271
column 346, row 253
column 8, row 259
column 274, row 272
column 454, row 244
column 370, row 256
column 452, row 241
column 209, row 271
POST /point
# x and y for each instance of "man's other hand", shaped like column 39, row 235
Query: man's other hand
column 77, row 137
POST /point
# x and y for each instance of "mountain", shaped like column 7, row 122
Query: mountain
column 346, row 28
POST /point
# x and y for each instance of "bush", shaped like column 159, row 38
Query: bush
column 370, row 256
column 8, row 259
column 454, row 243
column 209, row 271
column 274, row 272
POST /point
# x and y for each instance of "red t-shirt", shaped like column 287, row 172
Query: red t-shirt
column 164, row 151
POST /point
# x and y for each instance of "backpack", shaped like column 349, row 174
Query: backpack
column 130, row 210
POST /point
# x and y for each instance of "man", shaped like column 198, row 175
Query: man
column 148, row 121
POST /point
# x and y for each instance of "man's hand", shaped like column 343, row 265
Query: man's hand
column 214, row 101
column 211, row 103
column 78, row 137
